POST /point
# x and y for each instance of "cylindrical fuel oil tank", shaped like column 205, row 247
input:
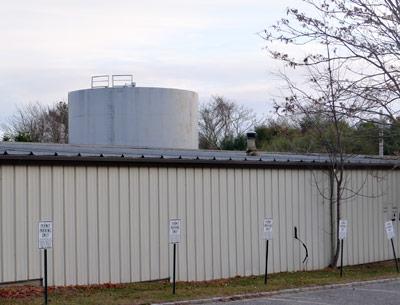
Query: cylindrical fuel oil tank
column 134, row 116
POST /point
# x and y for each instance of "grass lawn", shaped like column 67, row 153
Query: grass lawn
column 145, row 293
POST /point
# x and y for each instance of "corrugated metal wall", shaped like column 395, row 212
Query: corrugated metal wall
column 111, row 223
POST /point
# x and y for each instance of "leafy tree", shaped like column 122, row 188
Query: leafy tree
column 391, row 136
column 234, row 143
column 364, row 139
column 281, row 136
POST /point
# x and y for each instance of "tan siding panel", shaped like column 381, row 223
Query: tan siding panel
column 124, row 217
column 287, row 189
column 275, row 245
column 70, row 226
column 199, row 224
column 154, row 224
column 135, row 224
column 46, row 208
column 172, row 206
column 103, row 212
column 231, row 222
column 111, row 224
column 114, row 228
column 8, row 224
column 191, row 225
column 247, row 222
column 284, row 227
column 208, row 238
column 21, row 225
column 34, row 261
column 81, row 226
column 254, row 224
column 215, row 225
column 93, row 226
column 163, row 225
column 268, row 193
column 239, row 222
column 181, row 207
column 144, row 223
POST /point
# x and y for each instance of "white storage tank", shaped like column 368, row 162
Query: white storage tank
column 134, row 116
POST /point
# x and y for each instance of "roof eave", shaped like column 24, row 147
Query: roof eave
column 176, row 162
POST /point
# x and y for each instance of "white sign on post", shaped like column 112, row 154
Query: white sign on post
column 389, row 229
column 267, row 232
column 45, row 234
column 342, row 229
column 174, row 231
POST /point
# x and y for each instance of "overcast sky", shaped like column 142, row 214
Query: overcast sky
column 211, row 46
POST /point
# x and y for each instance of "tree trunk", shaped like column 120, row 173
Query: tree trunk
column 334, row 198
column 335, row 237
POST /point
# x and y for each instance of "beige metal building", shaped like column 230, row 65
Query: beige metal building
column 110, row 208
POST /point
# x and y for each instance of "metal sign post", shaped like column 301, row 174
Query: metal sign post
column 45, row 242
column 342, row 237
column 267, row 236
column 174, row 238
column 46, row 293
column 390, row 235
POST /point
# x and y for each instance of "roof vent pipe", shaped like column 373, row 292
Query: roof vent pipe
column 251, row 144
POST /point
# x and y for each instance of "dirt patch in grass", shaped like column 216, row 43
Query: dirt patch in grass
column 160, row 291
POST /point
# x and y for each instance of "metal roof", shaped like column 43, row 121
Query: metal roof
column 64, row 152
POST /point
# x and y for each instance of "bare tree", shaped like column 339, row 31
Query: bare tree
column 221, row 119
column 364, row 36
column 352, row 73
column 320, row 101
column 38, row 123
column 320, row 106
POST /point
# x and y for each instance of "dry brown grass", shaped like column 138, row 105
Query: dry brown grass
column 152, row 292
